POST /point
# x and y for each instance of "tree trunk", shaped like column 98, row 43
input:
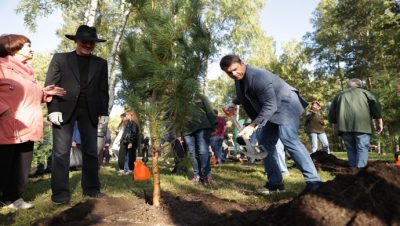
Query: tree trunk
column 112, row 73
column 156, row 174
column 90, row 14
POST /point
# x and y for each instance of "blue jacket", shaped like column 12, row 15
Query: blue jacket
column 266, row 97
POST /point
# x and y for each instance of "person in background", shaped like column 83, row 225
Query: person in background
column 197, row 139
column 217, row 137
column 21, row 120
column 351, row 114
column 276, row 107
column 178, row 146
column 103, row 140
column 129, row 141
column 145, row 147
column 85, row 78
column 106, row 148
column 76, row 149
column 280, row 149
column 314, row 127
column 117, row 141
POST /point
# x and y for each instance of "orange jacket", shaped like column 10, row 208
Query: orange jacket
column 22, row 94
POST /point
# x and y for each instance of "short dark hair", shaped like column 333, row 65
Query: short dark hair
column 228, row 60
column 12, row 43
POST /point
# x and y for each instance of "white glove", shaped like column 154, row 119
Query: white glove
column 247, row 132
column 55, row 118
column 103, row 120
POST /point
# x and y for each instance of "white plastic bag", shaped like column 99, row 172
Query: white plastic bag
column 75, row 158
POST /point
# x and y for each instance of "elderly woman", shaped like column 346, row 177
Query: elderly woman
column 21, row 119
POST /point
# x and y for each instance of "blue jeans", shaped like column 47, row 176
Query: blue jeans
column 280, row 150
column 288, row 134
column 281, row 156
column 357, row 148
column 197, row 144
column 216, row 146
column 314, row 137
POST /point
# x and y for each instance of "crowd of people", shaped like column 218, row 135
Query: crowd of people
column 76, row 93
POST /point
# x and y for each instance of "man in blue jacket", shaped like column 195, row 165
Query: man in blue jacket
column 276, row 107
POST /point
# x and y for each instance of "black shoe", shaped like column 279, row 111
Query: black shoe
column 95, row 195
column 312, row 186
column 269, row 188
column 58, row 203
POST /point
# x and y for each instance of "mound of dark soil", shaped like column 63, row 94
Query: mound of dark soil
column 370, row 196
column 330, row 163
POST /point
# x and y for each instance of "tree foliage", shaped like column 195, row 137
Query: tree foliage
column 233, row 23
column 359, row 39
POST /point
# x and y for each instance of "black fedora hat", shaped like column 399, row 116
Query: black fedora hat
column 85, row 33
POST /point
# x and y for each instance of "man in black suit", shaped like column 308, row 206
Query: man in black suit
column 84, row 77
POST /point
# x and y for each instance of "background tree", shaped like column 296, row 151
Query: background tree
column 233, row 24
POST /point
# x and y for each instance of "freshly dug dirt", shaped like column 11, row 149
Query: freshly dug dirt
column 185, row 210
column 370, row 196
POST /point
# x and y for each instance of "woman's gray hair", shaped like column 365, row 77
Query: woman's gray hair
column 354, row 83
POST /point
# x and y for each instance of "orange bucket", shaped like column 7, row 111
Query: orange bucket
column 213, row 160
column 398, row 161
column 141, row 171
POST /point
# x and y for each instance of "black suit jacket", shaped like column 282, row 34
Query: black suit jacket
column 64, row 72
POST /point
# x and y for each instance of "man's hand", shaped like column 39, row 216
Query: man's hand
column 247, row 132
column 55, row 118
column 103, row 120
column 230, row 109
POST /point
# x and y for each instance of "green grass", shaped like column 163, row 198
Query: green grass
column 233, row 181
column 372, row 156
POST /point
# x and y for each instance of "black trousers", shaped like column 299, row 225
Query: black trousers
column 123, row 150
column 62, row 139
column 15, row 164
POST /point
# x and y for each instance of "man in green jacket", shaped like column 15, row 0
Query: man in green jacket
column 197, row 138
column 351, row 114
